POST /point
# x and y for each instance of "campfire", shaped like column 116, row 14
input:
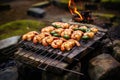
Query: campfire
column 79, row 16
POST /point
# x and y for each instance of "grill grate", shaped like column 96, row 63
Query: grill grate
column 47, row 57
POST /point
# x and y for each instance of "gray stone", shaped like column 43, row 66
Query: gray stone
column 36, row 12
column 9, row 42
column 8, row 70
column 104, row 67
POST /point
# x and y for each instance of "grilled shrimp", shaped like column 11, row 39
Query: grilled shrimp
column 59, row 31
column 57, row 43
column 95, row 30
column 73, row 27
column 89, row 34
column 48, row 29
column 30, row 35
column 67, row 32
column 69, row 44
column 39, row 37
column 48, row 40
column 77, row 35
column 60, row 25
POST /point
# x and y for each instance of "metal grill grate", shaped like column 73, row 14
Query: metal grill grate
column 47, row 57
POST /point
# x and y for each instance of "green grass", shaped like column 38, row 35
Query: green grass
column 114, row 1
column 19, row 27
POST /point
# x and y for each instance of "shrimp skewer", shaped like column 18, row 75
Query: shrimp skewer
column 38, row 38
column 67, row 32
column 77, row 35
column 61, row 25
column 30, row 35
column 73, row 27
column 48, row 40
column 69, row 44
column 48, row 29
column 95, row 30
column 89, row 34
column 57, row 43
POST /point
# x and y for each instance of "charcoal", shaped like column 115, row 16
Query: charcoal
column 8, row 42
column 104, row 67
column 36, row 12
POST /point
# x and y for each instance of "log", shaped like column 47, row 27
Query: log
column 104, row 67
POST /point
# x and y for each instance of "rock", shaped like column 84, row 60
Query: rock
column 104, row 67
column 116, row 49
column 7, row 47
column 8, row 71
column 9, row 42
column 61, row 3
column 36, row 12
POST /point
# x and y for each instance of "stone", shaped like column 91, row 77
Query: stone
column 116, row 49
column 61, row 3
column 8, row 71
column 104, row 67
column 7, row 47
column 9, row 42
column 36, row 12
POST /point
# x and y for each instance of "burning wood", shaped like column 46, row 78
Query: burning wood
column 83, row 16
column 73, row 9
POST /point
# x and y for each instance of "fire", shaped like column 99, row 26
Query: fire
column 73, row 9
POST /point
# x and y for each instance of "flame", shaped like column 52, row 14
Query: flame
column 73, row 9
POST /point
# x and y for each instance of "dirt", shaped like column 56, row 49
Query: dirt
column 18, row 10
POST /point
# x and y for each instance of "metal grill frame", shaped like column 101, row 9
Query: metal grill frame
column 61, row 57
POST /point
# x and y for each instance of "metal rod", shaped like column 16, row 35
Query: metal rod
column 64, row 56
column 51, row 62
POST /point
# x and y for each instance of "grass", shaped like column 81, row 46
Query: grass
column 19, row 27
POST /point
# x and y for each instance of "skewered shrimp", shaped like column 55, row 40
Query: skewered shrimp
column 59, row 31
column 69, row 44
column 60, row 25
column 77, row 35
column 30, row 35
column 67, row 32
column 40, row 36
column 57, row 43
column 48, row 40
column 89, row 34
column 73, row 26
column 95, row 30
column 48, row 29
column 83, row 28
